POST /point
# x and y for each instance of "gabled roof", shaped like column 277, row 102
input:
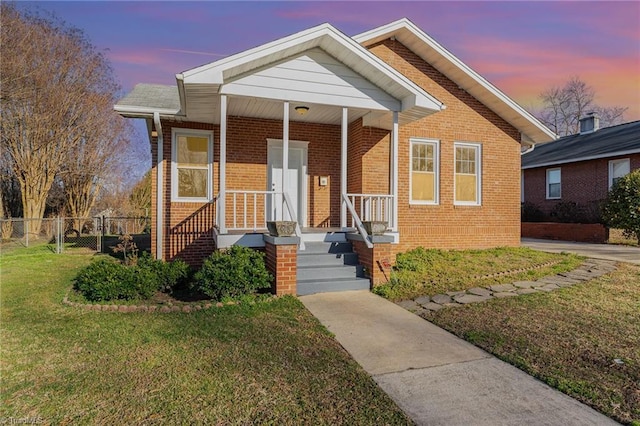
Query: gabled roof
column 330, row 40
column 407, row 33
column 608, row 142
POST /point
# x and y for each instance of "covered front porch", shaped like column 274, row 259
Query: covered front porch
column 317, row 178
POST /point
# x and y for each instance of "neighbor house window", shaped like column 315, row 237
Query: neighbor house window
column 468, row 172
column 554, row 183
column 617, row 169
column 192, row 159
column 424, row 180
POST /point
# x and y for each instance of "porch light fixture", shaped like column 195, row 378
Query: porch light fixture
column 302, row 110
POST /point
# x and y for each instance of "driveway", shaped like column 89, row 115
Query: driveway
column 618, row 253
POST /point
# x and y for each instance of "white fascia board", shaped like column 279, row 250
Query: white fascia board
column 576, row 160
column 140, row 111
column 404, row 29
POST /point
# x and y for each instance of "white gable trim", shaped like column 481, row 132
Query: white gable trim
column 334, row 43
column 428, row 49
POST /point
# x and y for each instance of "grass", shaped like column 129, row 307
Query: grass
column 570, row 338
column 244, row 364
column 428, row 272
column 616, row 236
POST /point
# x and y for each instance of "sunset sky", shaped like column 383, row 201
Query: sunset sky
column 521, row 47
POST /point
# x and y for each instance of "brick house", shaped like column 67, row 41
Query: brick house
column 331, row 131
column 580, row 168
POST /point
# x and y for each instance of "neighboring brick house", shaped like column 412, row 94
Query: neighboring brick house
column 387, row 125
column 580, row 168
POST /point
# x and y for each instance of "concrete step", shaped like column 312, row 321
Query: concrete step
column 323, row 273
column 311, row 287
column 326, row 247
column 327, row 259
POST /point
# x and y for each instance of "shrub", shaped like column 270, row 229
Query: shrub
column 232, row 273
column 106, row 279
column 622, row 207
column 529, row 212
column 566, row 212
column 168, row 275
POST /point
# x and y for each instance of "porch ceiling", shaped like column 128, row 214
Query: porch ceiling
column 273, row 110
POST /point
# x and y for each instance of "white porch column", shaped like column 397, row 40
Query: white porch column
column 343, row 167
column 222, row 167
column 159, row 186
column 394, row 173
column 285, row 155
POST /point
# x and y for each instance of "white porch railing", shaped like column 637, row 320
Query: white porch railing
column 248, row 209
column 251, row 210
column 372, row 207
column 355, row 220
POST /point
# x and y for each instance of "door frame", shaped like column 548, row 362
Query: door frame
column 303, row 177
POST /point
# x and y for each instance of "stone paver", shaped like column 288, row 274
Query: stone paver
column 470, row 298
column 441, row 299
column 423, row 300
column 409, row 305
column 502, row 287
column 525, row 284
column 479, row 291
column 590, row 269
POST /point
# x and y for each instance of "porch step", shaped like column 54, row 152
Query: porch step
column 329, row 266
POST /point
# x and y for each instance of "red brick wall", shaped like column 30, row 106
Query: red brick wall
column 497, row 221
column 189, row 226
column 582, row 182
column 282, row 262
column 581, row 232
column 376, row 260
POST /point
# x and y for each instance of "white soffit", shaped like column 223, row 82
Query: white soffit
column 325, row 37
column 407, row 33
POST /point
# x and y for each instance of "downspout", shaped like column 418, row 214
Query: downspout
column 159, row 186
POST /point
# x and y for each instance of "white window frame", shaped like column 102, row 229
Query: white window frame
column 436, row 170
column 612, row 163
column 175, row 133
column 559, row 169
column 478, row 160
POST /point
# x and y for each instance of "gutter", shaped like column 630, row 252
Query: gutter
column 159, row 185
column 528, row 150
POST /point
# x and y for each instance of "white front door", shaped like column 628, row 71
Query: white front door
column 296, row 182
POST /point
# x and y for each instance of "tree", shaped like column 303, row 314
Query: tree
column 622, row 207
column 57, row 94
column 140, row 197
column 564, row 106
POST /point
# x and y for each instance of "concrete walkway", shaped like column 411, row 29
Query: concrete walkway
column 435, row 377
column 619, row 253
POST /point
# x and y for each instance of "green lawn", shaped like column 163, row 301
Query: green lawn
column 583, row 340
column 265, row 363
column 428, row 272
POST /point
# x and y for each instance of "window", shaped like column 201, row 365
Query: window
column 468, row 174
column 617, row 169
column 192, row 157
column 554, row 183
column 424, row 179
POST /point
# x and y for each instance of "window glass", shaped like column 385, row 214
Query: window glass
column 618, row 169
column 424, row 178
column 467, row 174
column 192, row 177
column 554, row 184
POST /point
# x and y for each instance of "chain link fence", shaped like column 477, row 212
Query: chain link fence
column 60, row 234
